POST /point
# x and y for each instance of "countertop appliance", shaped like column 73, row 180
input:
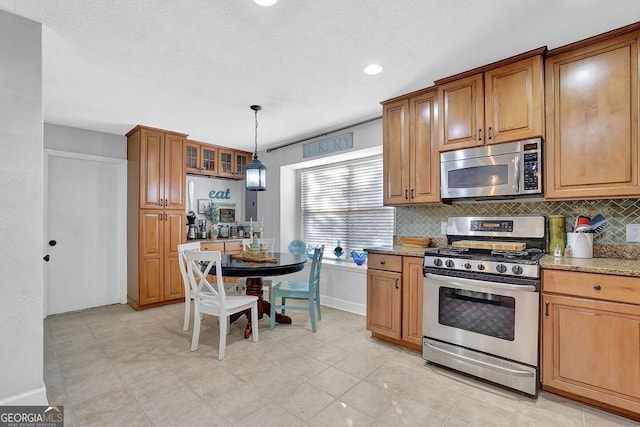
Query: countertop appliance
column 498, row 171
column 481, row 299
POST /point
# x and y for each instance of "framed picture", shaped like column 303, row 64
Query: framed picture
column 227, row 215
column 203, row 203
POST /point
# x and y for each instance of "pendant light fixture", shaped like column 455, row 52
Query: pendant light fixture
column 256, row 172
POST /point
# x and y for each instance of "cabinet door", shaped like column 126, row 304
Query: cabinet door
column 384, row 290
column 226, row 165
column 209, row 156
column 412, row 294
column 424, row 158
column 174, row 234
column 151, row 256
column 151, row 169
column 395, row 152
column 192, row 157
column 592, row 348
column 242, row 159
column 513, row 101
column 461, row 121
column 592, row 121
column 174, row 172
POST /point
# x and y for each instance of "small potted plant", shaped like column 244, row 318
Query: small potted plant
column 211, row 213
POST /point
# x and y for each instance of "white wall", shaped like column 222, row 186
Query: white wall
column 21, row 227
column 84, row 141
column 343, row 286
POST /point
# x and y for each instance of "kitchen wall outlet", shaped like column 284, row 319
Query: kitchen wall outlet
column 633, row 232
column 443, row 228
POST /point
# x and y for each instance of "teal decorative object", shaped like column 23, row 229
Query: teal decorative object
column 338, row 252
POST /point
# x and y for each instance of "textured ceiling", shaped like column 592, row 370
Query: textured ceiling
column 195, row 66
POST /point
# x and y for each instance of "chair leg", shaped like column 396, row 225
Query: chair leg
column 283, row 302
column 187, row 313
column 318, row 303
column 272, row 311
column 196, row 330
column 223, row 338
column 254, row 322
column 312, row 315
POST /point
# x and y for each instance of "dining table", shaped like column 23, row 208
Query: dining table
column 254, row 269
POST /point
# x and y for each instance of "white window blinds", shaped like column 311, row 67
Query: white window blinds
column 344, row 202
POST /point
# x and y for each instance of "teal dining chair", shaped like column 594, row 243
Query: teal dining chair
column 309, row 291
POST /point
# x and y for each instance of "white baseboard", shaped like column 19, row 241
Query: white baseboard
column 36, row 397
column 344, row 305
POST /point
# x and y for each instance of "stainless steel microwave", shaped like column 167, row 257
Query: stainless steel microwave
column 498, row 171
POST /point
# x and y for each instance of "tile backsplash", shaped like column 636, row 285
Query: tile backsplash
column 425, row 220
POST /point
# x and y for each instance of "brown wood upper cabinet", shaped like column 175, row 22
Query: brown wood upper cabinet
column 233, row 163
column 496, row 103
column 410, row 151
column 201, row 158
column 160, row 171
column 592, row 118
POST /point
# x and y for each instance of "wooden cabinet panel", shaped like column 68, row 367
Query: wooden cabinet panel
column 242, row 160
column 151, row 258
column 384, row 302
column 174, row 234
column 212, row 246
column 209, row 156
column 151, row 169
column 201, row 158
column 192, row 157
column 395, row 140
column 592, row 121
column 595, row 286
column 462, row 113
column 412, row 299
column 513, row 101
column 592, row 349
column 424, row 157
column 385, row 262
column 226, row 165
column 174, row 173
column 500, row 104
column 411, row 161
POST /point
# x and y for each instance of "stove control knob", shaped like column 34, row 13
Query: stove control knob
column 437, row 262
column 449, row 263
column 501, row 268
column 480, row 267
column 467, row 266
column 517, row 269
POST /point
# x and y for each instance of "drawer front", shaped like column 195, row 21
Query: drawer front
column 233, row 247
column 598, row 286
column 385, row 262
column 212, row 246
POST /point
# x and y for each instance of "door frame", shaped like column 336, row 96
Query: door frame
column 121, row 167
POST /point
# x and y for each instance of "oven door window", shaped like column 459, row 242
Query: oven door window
column 480, row 312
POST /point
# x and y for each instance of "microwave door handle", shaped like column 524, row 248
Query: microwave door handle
column 516, row 172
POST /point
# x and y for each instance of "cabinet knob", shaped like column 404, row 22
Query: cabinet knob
column 479, row 134
column 406, row 194
column 597, row 287
column 397, row 284
column 382, row 262
column 489, row 133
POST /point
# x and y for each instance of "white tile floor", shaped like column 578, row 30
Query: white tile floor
column 114, row 366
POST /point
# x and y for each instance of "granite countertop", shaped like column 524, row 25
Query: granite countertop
column 397, row 250
column 617, row 266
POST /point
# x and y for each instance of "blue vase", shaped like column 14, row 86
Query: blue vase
column 359, row 257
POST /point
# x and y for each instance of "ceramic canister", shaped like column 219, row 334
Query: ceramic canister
column 581, row 244
column 557, row 232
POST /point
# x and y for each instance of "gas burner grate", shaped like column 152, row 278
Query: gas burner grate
column 452, row 250
column 527, row 253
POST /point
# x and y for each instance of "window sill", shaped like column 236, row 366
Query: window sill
column 345, row 265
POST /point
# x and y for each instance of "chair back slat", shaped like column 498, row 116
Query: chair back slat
column 199, row 279
column 182, row 262
column 316, row 263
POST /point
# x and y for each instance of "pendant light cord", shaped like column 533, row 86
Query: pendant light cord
column 255, row 152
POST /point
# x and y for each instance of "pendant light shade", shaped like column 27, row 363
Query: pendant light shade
column 256, row 172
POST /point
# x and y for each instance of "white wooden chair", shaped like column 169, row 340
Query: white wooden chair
column 188, row 295
column 215, row 301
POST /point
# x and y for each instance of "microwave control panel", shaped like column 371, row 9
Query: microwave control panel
column 531, row 173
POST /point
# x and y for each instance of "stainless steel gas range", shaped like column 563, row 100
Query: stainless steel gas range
column 481, row 299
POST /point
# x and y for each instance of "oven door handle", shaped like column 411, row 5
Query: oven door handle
column 473, row 284
column 515, row 372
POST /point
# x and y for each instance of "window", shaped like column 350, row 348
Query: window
column 344, row 202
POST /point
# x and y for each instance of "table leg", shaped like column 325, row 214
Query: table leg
column 254, row 287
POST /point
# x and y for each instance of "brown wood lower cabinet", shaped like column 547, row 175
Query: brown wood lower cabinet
column 156, row 278
column 394, row 299
column 591, row 339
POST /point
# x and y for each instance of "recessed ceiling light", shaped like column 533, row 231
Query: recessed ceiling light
column 266, row 2
column 373, row 69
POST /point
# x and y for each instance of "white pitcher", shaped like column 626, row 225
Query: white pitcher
column 581, row 244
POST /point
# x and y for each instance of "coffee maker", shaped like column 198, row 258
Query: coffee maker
column 191, row 221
